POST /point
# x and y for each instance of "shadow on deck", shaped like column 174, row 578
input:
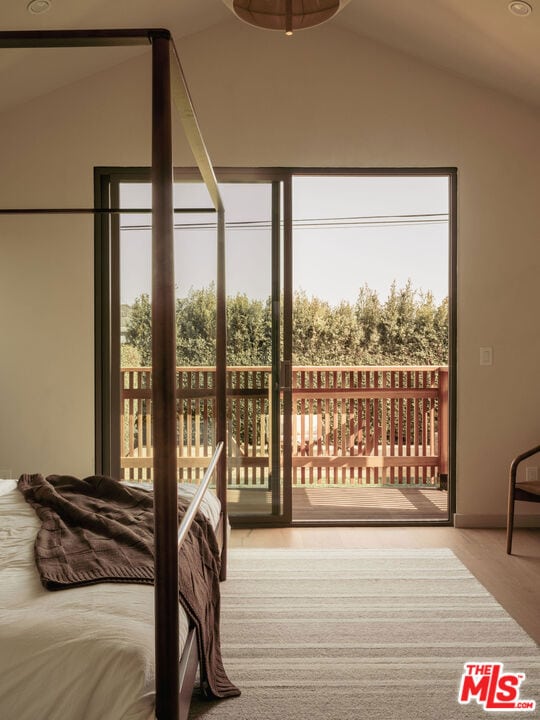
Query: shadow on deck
column 327, row 503
column 369, row 503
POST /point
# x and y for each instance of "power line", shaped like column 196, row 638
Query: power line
column 337, row 223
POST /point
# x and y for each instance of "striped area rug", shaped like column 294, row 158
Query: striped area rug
column 351, row 634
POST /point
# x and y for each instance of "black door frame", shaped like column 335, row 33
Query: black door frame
column 107, row 329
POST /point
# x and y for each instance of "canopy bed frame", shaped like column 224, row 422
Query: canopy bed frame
column 168, row 85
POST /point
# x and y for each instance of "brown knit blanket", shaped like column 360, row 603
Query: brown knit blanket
column 97, row 529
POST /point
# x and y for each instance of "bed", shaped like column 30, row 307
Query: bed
column 84, row 652
column 127, row 671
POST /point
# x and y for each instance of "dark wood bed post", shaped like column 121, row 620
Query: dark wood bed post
column 221, row 383
column 164, row 386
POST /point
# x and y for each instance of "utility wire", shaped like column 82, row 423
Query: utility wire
column 338, row 223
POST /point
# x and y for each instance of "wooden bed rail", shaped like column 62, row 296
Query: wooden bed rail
column 197, row 498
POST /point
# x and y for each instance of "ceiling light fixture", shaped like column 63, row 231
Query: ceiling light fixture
column 285, row 15
column 522, row 9
column 36, row 7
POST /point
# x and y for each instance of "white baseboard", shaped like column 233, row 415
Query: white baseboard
column 465, row 520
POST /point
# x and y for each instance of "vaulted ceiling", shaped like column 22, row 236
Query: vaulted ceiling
column 478, row 39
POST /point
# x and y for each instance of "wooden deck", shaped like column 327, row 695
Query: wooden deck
column 372, row 503
column 388, row 504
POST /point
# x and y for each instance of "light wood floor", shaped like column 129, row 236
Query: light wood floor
column 513, row 580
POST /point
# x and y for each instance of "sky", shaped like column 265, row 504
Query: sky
column 347, row 232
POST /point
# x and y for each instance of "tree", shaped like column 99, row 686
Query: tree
column 368, row 317
column 249, row 331
column 196, row 327
column 397, row 324
column 130, row 356
column 407, row 328
column 139, row 328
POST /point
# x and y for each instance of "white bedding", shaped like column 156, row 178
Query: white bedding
column 79, row 654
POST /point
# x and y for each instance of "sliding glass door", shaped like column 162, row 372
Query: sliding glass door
column 252, row 270
column 253, row 346
column 323, row 405
column 370, row 347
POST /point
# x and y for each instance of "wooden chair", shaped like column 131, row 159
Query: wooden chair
column 528, row 492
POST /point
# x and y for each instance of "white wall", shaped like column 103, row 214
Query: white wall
column 322, row 98
column 48, row 149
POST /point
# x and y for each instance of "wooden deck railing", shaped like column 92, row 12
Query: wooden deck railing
column 350, row 425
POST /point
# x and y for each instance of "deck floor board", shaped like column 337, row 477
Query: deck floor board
column 342, row 503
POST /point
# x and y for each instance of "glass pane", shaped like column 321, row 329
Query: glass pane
column 249, row 349
column 249, row 344
column 370, row 347
column 195, row 273
column 195, row 237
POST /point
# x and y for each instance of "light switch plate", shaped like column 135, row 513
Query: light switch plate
column 486, row 356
